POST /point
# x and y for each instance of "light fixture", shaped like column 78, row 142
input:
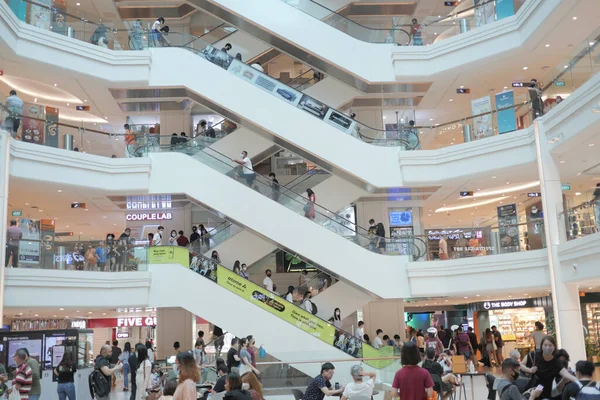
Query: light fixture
column 55, row 85
column 590, row 288
column 59, row 190
column 35, row 100
column 508, row 182
column 61, row 309
column 41, row 210
column 486, row 193
column 451, row 100
column 89, row 312
column 478, row 295
column 85, row 101
column 562, row 162
column 462, row 207
column 577, row 193
column 566, row 66
column 591, row 43
column 494, row 177
column 574, row 18
column 103, row 313
column 591, row 145
column 466, row 297
column 36, row 315
column 547, row 45
column 462, row 87
column 78, row 4
column 384, row 117
column 505, row 87
column 525, row 68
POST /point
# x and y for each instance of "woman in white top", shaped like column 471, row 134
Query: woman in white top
column 173, row 238
column 156, row 30
column 143, row 377
column 306, row 303
column 150, row 352
column 289, row 296
column 337, row 318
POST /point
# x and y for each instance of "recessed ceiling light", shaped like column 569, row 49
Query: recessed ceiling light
column 104, row 217
column 577, row 193
column 566, row 66
column 78, row 4
column 36, row 315
column 508, row 182
column 55, row 85
column 89, row 312
column 591, row 43
column 574, row 18
column 431, row 119
column 85, row 101
column 478, row 295
column 103, row 313
column 466, row 297
column 20, row 313
column 68, row 104
column 509, row 296
column 451, row 100
column 526, row 294
column 525, row 68
column 462, row 87
column 54, row 316
column 562, row 162
column 61, row 309
column 590, row 288
column 59, row 190
column 493, row 177
column 384, row 117
column 67, row 226
column 547, row 45
column 26, row 204
column 41, row 210
column 505, row 87
column 591, row 145
column 77, row 311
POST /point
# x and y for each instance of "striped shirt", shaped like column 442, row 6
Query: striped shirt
column 24, row 378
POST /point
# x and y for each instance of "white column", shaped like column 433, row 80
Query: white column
column 4, row 178
column 566, row 303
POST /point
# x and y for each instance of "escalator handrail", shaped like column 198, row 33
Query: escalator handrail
column 219, row 27
column 212, row 261
column 394, row 29
column 215, row 231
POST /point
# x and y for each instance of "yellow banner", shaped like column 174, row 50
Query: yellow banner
column 168, row 255
column 275, row 305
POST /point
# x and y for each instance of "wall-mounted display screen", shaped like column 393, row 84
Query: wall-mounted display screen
column 401, row 218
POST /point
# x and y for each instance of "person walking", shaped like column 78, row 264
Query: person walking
column 124, row 358
column 103, row 365
column 14, row 235
column 23, row 375
column 412, row 382
column 143, row 375
column 309, row 207
column 204, row 236
column 538, row 334
column 157, row 239
column 247, row 168
column 187, row 378
column 14, row 106
column 535, row 95
column 36, row 388
column 499, row 344
column 246, row 358
column 65, row 373
column 275, row 188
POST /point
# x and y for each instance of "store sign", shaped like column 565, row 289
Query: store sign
column 17, row 213
column 78, row 205
column 82, row 108
column 149, row 216
column 518, row 84
column 534, row 194
column 463, row 91
column 122, row 335
column 559, row 83
column 149, row 202
column 466, row 194
column 499, row 305
column 69, row 258
column 136, row 321
column 565, row 186
column 79, row 324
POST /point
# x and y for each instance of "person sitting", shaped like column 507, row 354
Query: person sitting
column 505, row 386
column 233, row 386
column 359, row 389
column 584, row 370
column 434, row 368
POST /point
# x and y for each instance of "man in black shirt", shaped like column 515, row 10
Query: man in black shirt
column 114, row 358
column 275, row 189
column 125, row 235
column 219, row 340
column 233, row 360
column 584, row 371
column 499, row 344
column 473, row 340
column 133, row 366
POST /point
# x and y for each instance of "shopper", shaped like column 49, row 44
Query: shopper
column 473, row 339
column 443, row 247
column 133, row 366
column 23, row 375
column 360, row 389
column 435, row 368
column 233, row 359
column 411, row 381
column 251, row 383
column 205, row 237
column 36, row 388
column 173, row 238
column 545, row 366
column 337, row 318
column 416, row 33
column 247, row 168
column 188, row 377
column 275, row 188
column 124, row 358
column 499, row 344
column 309, row 207
column 182, row 240
column 268, row 282
column 226, row 48
column 246, row 358
column 103, row 365
column 506, row 387
column 143, row 375
column 433, row 342
column 91, row 258
column 596, row 203
column 151, row 239
column 222, row 372
column 584, row 371
column 194, row 236
column 14, row 235
column 307, row 304
column 244, row 272
column 463, row 343
column 535, row 95
column 251, row 344
column 65, row 374
column 538, row 334
column 360, row 330
column 377, row 342
column 155, row 34
column 320, row 386
column 158, row 236
column 234, row 388
column 150, row 351
column 14, row 106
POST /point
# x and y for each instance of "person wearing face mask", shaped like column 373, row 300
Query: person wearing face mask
column 244, row 272
column 246, row 358
column 268, row 282
column 337, row 318
column 198, row 353
column 157, row 240
column 143, row 374
column 233, row 386
column 173, row 238
column 251, row 344
column 187, row 378
column 247, row 170
column 506, row 387
column 91, row 258
column 545, row 366
column 251, row 383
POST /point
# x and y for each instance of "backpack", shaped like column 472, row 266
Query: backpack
column 591, row 391
column 314, row 308
column 99, row 385
column 504, row 390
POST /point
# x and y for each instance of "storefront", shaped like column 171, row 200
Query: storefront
column 126, row 329
column 514, row 318
column 590, row 316
column 462, row 242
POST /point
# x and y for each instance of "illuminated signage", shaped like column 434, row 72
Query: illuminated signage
column 122, row 335
column 82, row 108
column 79, row 324
column 150, row 202
column 534, row 194
column 17, row 213
column 466, row 194
column 463, row 91
column 136, row 321
column 518, row 84
column 495, row 305
column 149, row 216
column 77, row 205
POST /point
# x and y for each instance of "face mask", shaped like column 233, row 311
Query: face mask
column 175, row 369
column 173, row 234
column 241, row 155
column 245, row 386
column 244, row 268
column 548, row 350
column 198, row 351
column 514, row 374
column 337, row 313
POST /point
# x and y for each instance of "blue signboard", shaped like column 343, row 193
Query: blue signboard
column 507, row 120
column 504, row 9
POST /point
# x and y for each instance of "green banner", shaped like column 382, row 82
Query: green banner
column 168, row 255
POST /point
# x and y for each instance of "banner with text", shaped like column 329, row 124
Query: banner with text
column 507, row 120
column 168, row 255
column 482, row 125
column 51, row 126
column 33, row 129
column 508, row 229
column 504, row 9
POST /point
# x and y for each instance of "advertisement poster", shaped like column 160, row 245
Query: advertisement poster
column 52, row 127
column 47, row 241
column 508, row 229
column 33, row 129
column 313, row 106
column 484, row 12
column 19, row 8
column 482, row 125
column 59, row 20
column 168, row 255
column 29, row 253
column 504, row 9
column 340, row 121
column 265, row 82
column 30, row 228
column 217, row 57
column 507, row 120
column 40, row 14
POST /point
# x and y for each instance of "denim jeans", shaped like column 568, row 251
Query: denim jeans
column 125, row 375
column 65, row 390
column 37, row 397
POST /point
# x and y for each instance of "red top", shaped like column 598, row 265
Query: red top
column 411, row 382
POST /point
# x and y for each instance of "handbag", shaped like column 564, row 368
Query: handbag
column 306, row 208
column 533, row 381
column 14, row 395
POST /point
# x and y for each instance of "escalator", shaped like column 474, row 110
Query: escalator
column 315, row 231
column 286, row 331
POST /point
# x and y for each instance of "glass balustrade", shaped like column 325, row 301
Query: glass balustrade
column 581, row 213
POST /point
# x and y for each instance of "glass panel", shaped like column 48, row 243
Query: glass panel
column 582, row 214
